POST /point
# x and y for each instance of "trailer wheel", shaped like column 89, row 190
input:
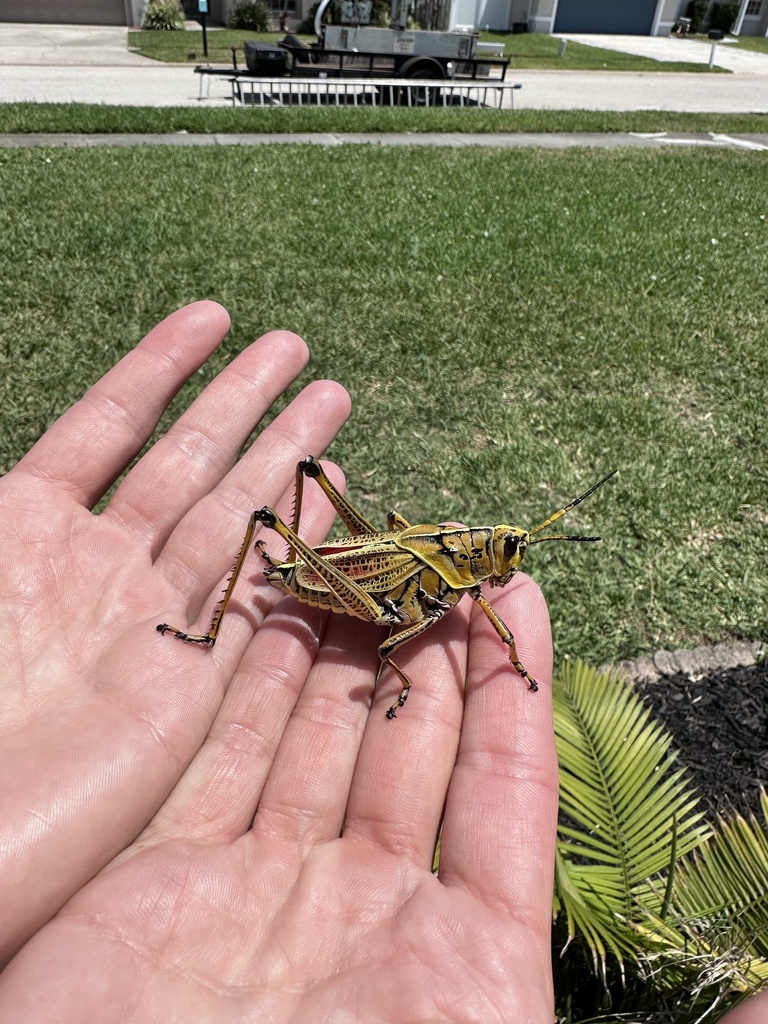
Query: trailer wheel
column 421, row 67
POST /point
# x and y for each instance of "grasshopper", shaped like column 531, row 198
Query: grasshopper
column 408, row 576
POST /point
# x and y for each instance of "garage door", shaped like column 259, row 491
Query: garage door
column 73, row 12
column 617, row 17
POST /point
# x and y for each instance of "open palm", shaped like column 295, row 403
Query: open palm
column 260, row 834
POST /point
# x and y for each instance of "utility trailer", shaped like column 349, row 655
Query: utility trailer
column 355, row 49
column 412, row 59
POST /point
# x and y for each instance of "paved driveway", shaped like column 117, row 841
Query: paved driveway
column 669, row 48
column 67, row 45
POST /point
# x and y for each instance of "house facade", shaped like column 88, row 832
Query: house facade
column 617, row 17
column 752, row 19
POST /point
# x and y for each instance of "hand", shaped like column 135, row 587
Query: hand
column 287, row 878
column 100, row 715
column 287, row 873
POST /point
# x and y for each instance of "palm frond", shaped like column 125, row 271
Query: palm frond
column 721, row 899
column 627, row 813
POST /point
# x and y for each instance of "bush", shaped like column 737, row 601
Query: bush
column 723, row 16
column 697, row 12
column 252, row 15
column 163, row 15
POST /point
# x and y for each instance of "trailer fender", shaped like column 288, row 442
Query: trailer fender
column 421, row 67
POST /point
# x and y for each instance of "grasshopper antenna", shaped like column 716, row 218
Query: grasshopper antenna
column 563, row 511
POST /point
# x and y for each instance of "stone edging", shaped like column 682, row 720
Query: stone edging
column 698, row 663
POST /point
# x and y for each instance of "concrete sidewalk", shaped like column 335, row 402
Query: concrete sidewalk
column 65, row 64
column 516, row 140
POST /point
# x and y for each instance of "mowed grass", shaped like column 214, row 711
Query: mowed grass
column 526, row 50
column 187, row 46
column 757, row 43
column 511, row 325
column 79, row 118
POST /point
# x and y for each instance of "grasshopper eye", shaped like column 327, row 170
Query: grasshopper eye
column 511, row 543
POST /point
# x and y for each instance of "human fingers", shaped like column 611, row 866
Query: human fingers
column 201, row 447
column 405, row 763
column 203, row 547
column 88, row 447
column 218, row 794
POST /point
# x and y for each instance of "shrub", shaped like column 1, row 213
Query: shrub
column 697, row 12
column 252, row 15
column 163, row 15
column 723, row 16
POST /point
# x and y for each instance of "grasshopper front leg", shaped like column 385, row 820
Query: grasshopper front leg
column 506, row 636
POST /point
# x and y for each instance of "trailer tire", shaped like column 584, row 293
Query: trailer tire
column 421, row 67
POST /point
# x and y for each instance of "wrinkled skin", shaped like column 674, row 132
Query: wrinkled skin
column 239, row 834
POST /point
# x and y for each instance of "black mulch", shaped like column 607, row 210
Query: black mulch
column 720, row 726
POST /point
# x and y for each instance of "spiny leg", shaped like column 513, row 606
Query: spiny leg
column 506, row 636
column 209, row 638
column 354, row 521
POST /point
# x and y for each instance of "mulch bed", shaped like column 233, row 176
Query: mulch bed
column 719, row 722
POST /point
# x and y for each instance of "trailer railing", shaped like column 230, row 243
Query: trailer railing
column 297, row 92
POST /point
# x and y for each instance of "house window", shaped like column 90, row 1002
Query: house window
column 753, row 7
column 277, row 6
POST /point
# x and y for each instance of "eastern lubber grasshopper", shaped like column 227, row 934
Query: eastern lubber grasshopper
column 409, row 576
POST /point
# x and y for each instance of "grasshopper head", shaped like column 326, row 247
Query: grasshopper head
column 511, row 542
column 509, row 546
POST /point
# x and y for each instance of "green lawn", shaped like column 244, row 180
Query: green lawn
column 511, row 325
column 757, row 43
column 187, row 47
column 527, row 50
column 95, row 118
column 539, row 50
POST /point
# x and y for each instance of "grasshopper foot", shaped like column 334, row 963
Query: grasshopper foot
column 188, row 638
column 399, row 703
column 260, row 547
column 533, row 686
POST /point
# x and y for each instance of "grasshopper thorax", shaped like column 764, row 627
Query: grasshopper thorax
column 509, row 546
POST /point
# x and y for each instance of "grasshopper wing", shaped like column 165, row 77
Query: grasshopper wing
column 376, row 566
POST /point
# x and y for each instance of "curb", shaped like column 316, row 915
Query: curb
column 696, row 664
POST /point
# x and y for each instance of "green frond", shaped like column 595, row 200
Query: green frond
column 626, row 811
column 673, row 915
column 721, row 897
